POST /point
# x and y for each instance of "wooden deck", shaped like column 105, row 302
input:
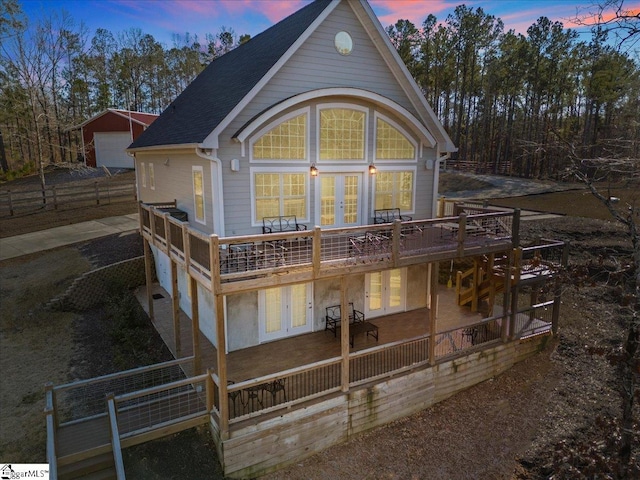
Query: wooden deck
column 287, row 353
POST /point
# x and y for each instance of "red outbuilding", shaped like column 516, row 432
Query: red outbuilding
column 106, row 135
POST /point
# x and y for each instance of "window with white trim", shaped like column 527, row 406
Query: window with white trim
column 342, row 134
column 391, row 143
column 198, row 194
column 279, row 194
column 143, row 175
column 286, row 141
column 152, row 177
column 394, row 189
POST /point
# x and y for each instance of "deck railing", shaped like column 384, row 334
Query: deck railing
column 319, row 252
column 86, row 398
column 534, row 320
column 458, row 340
column 289, row 387
column 115, row 438
column 380, row 361
column 160, row 406
column 49, row 410
column 546, row 257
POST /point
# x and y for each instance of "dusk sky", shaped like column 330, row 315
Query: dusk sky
column 163, row 18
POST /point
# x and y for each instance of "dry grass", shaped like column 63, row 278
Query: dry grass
column 35, row 346
column 577, row 203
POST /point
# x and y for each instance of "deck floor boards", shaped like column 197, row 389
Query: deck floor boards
column 279, row 355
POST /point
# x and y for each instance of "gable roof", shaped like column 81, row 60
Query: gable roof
column 198, row 115
column 222, row 85
column 141, row 118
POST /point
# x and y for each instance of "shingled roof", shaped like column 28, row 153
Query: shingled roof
column 193, row 115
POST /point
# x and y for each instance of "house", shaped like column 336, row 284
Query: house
column 289, row 208
column 106, row 136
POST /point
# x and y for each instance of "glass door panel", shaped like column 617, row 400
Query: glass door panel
column 285, row 311
column 327, row 200
column 339, row 200
column 385, row 292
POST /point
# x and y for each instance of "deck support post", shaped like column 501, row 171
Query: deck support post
column 344, row 333
column 462, row 233
column 221, row 353
column 195, row 325
column 508, row 276
column 555, row 314
column 515, row 290
column 533, row 301
column 515, row 228
column 433, row 309
column 175, row 308
column 148, row 276
column 316, row 251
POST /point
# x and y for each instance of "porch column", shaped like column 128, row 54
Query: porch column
column 148, row 259
column 221, row 353
column 195, row 325
column 344, row 333
column 433, row 302
column 175, row 308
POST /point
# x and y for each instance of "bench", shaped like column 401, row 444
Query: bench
column 283, row 223
column 389, row 215
column 357, row 322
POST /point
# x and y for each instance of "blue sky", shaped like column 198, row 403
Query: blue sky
column 164, row 18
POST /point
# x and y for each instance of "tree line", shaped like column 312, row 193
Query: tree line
column 54, row 75
column 512, row 102
column 509, row 101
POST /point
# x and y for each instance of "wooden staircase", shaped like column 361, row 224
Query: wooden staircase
column 100, row 467
column 483, row 281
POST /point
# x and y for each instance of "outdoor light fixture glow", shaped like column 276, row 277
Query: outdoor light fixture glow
column 372, row 169
column 313, row 170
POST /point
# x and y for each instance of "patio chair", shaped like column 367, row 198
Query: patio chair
column 334, row 317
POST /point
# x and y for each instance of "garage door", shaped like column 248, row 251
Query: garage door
column 110, row 148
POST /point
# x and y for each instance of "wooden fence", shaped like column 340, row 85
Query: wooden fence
column 16, row 202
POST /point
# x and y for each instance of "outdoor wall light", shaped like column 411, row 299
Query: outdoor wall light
column 428, row 164
column 372, row 169
column 313, row 170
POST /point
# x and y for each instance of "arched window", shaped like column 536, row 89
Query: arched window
column 286, row 141
column 391, row 143
column 342, row 134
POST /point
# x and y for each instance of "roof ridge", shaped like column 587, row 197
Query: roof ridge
column 213, row 94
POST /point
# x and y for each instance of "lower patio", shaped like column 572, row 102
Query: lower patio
column 280, row 355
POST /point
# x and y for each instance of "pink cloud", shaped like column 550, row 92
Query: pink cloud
column 416, row 11
column 274, row 10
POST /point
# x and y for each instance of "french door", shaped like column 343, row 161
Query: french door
column 339, row 202
column 385, row 292
column 285, row 311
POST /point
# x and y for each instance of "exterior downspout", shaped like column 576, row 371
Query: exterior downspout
column 436, row 179
column 216, row 189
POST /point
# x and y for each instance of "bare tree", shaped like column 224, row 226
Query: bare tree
column 612, row 17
